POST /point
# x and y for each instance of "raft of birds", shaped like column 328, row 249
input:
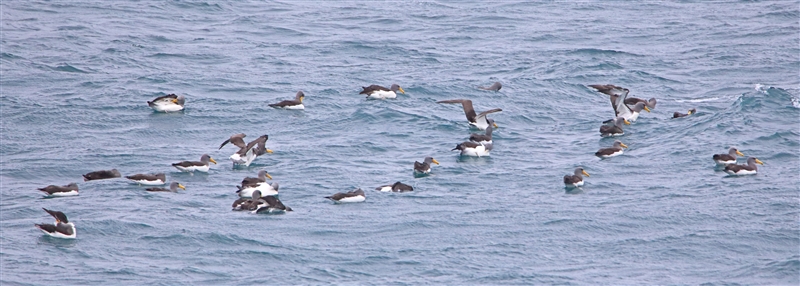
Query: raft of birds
column 257, row 196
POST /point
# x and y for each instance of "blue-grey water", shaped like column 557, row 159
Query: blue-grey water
column 75, row 77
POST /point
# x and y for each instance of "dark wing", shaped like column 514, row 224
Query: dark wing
column 421, row 166
column 54, row 189
column 285, row 103
column 479, row 137
column 236, row 139
column 168, row 97
column 260, row 143
column 466, row 104
column 372, row 88
column 634, row 100
column 187, row 164
column 157, row 190
column 97, row 175
column 606, row 151
column 46, row 227
column 571, row 179
column 723, row 157
column 139, row 177
column 605, row 129
column 250, row 181
column 735, row 167
column 60, row 216
column 483, row 114
column 337, row 196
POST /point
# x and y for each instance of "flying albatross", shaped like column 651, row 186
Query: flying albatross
column 247, row 153
column 478, row 120
column 617, row 95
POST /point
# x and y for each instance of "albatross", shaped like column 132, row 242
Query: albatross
column 247, row 153
column 575, row 180
column 615, row 129
column 679, row 115
column 725, row 159
column 147, row 179
column 612, row 151
column 378, row 92
column 483, row 138
column 61, row 191
column 191, row 166
column 297, row 103
column 354, row 196
column 167, row 103
column 425, row 166
column 617, row 95
column 62, row 227
column 173, row 187
column 495, row 87
column 478, row 120
column 102, row 174
column 473, row 149
column 749, row 169
column 397, row 187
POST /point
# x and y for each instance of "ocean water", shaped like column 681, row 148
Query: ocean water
column 75, row 77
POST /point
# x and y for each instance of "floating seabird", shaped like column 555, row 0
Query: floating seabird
column 650, row 103
column 247, row 153
column 62, row 227
column 575, row 180
column 355, row 196
column 749, row 169
column 61, row 191
column 248, row 204
column 473, row 149
column 272, row 205
column 167, row 103
column 173, row 187
column 397, row 187
column 495, row 87
column 617, row 95
column 379, row 92
column 478, row 120
column 611, row 151
column 262, row 177
column 725, row 159
column 679, row 115
column 615, row 129
column 297, row 103
column 103, row 174
column 150, row 180
column 425, row 166
column 191, row 166
column 246, row 191
column 483, row 138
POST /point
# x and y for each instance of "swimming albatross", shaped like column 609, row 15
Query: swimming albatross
column 478, row 120
column 62, row 227
column 495, row 87
column 147, row 179
column 247, row 153
column 425, row 166
column 102, row 174
column 378, row 92
column 615, row 129
column 575, row 180
column 167, row 103
column 173, row 187
column 61, row 191
column 611, row 151
column 725, row 159
column 749, row 169
column 354, row 196
column 191, row 166
column 679, row 115
column 297, row 103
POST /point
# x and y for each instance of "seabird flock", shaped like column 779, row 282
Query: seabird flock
column 258, row 196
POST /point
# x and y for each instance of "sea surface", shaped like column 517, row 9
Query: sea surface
column 75, row 77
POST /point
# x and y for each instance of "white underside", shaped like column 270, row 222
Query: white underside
column 269, row 210
column 381, row 94
column 61, row 235
column 356, row 199
column 479, row 151
column 578, row 184
column 149, row 183
column 194, row 168
column 612, row 134
column 613, row 154
column 633, row 117
column 264, row 188
column 720, row 162
column 386, row 189
column 428, row 171
column 485, row 142
column 481, row 124
column 247, row 160
column 64, row 194
column 166, row 107
column 299, row 106
column 742, row 172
